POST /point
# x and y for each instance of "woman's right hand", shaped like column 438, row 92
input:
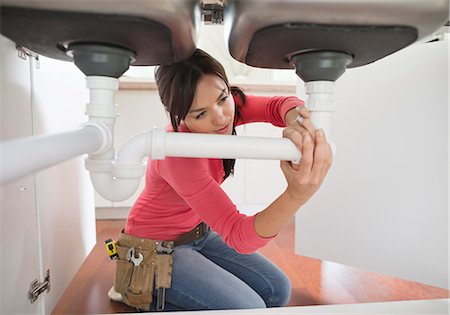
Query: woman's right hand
column 305, row 178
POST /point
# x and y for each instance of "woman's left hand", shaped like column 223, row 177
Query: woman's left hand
column 299, row 119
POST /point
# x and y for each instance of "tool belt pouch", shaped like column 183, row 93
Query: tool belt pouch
column 164, row 264
column 135, row 281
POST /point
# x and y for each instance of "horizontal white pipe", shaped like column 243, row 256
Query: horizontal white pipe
column 230, row 147
column 28, row 155
column 118, row 179
column 122, row 181
column 158, row 144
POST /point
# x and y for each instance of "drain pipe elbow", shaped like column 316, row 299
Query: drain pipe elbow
column 102, row 112
column 129, row 162
column 118, row 179
column 114, row 189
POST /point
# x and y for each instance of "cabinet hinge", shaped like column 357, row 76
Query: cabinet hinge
column 24, row 52
column 37, row 288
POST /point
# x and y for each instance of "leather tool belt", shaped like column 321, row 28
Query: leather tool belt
column 144, row 264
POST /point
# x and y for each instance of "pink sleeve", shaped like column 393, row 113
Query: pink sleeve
column 192, row 181
column 267, row 109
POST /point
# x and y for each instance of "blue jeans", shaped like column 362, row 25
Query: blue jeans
column 207, row 274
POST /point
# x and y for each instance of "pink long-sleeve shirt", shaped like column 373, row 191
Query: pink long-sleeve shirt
column 181, row 192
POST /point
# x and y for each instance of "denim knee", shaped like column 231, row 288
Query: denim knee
column 246, row 301
column 281, row 294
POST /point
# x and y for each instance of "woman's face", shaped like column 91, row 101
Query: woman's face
column 212, row 110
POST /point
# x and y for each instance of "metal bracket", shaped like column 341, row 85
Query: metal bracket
column 24, row 52
column 212, row 11
column 37, row 288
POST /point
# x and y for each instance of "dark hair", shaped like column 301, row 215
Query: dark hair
column 177, row 83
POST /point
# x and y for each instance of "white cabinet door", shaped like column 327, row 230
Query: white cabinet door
column 47, row 219
column 64, row 193
column 18, row 228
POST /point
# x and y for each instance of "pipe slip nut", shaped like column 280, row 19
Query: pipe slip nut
column 98, row 166
column 319, row 87
column 103, row 83
column 128, row 171
column 105, row 134
column 320, row 105
column 320, row 96
column 156, row 143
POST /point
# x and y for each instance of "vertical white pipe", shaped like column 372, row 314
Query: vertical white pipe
column 320, row 103
column 102, row 109
column 27, row 155
column 114, row 179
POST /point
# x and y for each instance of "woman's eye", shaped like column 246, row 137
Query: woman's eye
column 223, row 99
column 202, row 114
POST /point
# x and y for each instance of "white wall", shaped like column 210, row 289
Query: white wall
column 384, row 206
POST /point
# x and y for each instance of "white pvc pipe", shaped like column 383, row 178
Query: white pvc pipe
column 135, row 149
column 120, row 181
column 102, row 109
column 114, row 189
column 158, row 144
column 320, row 103
column 28, row 155
column 230, row 147
column 117, row 180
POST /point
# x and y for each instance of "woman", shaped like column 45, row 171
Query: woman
column 218, row 268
